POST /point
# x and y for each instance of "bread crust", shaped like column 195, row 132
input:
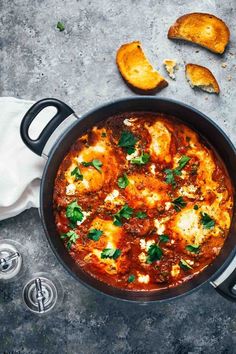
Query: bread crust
column 137, row 71
column 201, row 77
column 203, row 29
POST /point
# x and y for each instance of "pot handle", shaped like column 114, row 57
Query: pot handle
column 63, row 111
column 225, row 284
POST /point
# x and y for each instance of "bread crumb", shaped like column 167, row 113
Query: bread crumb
column 229, row 78
column 224, row 65
column 170, row 66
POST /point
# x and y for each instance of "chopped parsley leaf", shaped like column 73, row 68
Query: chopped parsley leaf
column 60, row 26
column 170, row 174
column 184, row 265
column 128, row 141
column 141, row 160
column 195, row 207
column 94, row 163
column 154, row 254
column 112, row 253
column 170, row 178
column 183, row 162
column 207, row 221
column 193, row 248
column 74, row 212
column 71, row 237
column 76, row 172
column 123, row 181
column 131, row 278
column 94, row 234
column 104, row 134
column 141, row 215
column 179, row 203
column 126, row 212
column 164, row 238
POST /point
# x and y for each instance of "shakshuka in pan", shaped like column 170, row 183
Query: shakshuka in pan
column 142, row 202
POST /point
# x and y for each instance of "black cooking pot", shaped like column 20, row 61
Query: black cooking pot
column 54, row 144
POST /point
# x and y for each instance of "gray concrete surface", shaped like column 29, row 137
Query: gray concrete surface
column 78, row 66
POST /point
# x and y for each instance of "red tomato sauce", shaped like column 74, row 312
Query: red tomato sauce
column 174, row 207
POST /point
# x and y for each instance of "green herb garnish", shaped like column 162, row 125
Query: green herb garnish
column 170, row 178
column 94, row 163
column 154, row 254
column 184, row 265
column 207, row 221
column 179, row 203
column 60, row 26
column 193, row 248
column 170, row 174
column 128, row 141
column 123, row 181
column 141, row 215
column 164, row 238
column 94, row 234
column 126, row 212
column 141, row 160
column 195, row 207
column 76, row 172
column 74, row 212
column 112, row 253
column 71, row 237
column 131, row 278
column 183, row 162
column 104, row 134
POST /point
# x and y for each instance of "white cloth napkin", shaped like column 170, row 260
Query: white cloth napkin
column 20, row 168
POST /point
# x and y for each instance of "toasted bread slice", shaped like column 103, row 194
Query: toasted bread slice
column 170, row 66
column 201, row 77
column 206, row 30
column 136, row 69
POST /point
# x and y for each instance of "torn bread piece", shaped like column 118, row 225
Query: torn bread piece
column 201, row 77
column 137, row 70
column 170, row 66
column 204, row 29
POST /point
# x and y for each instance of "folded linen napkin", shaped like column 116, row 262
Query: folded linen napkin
column 20, row 168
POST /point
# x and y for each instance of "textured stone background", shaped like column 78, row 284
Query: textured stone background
column 77, row 65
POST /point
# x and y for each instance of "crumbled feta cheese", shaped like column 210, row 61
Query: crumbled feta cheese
column 188, row 191
column 70, row 189
column 133, row 155
column 175, row 270
column 183, row 174
column 143, row 278
column 127, row 122
column 153, row 168
column 167, row 205
column 149, row 243
column 159, row 226
column 142, row 257
column 85, row 183
column 113, row 195
column 189, row 261
column 142, row 243
column 79, row 158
